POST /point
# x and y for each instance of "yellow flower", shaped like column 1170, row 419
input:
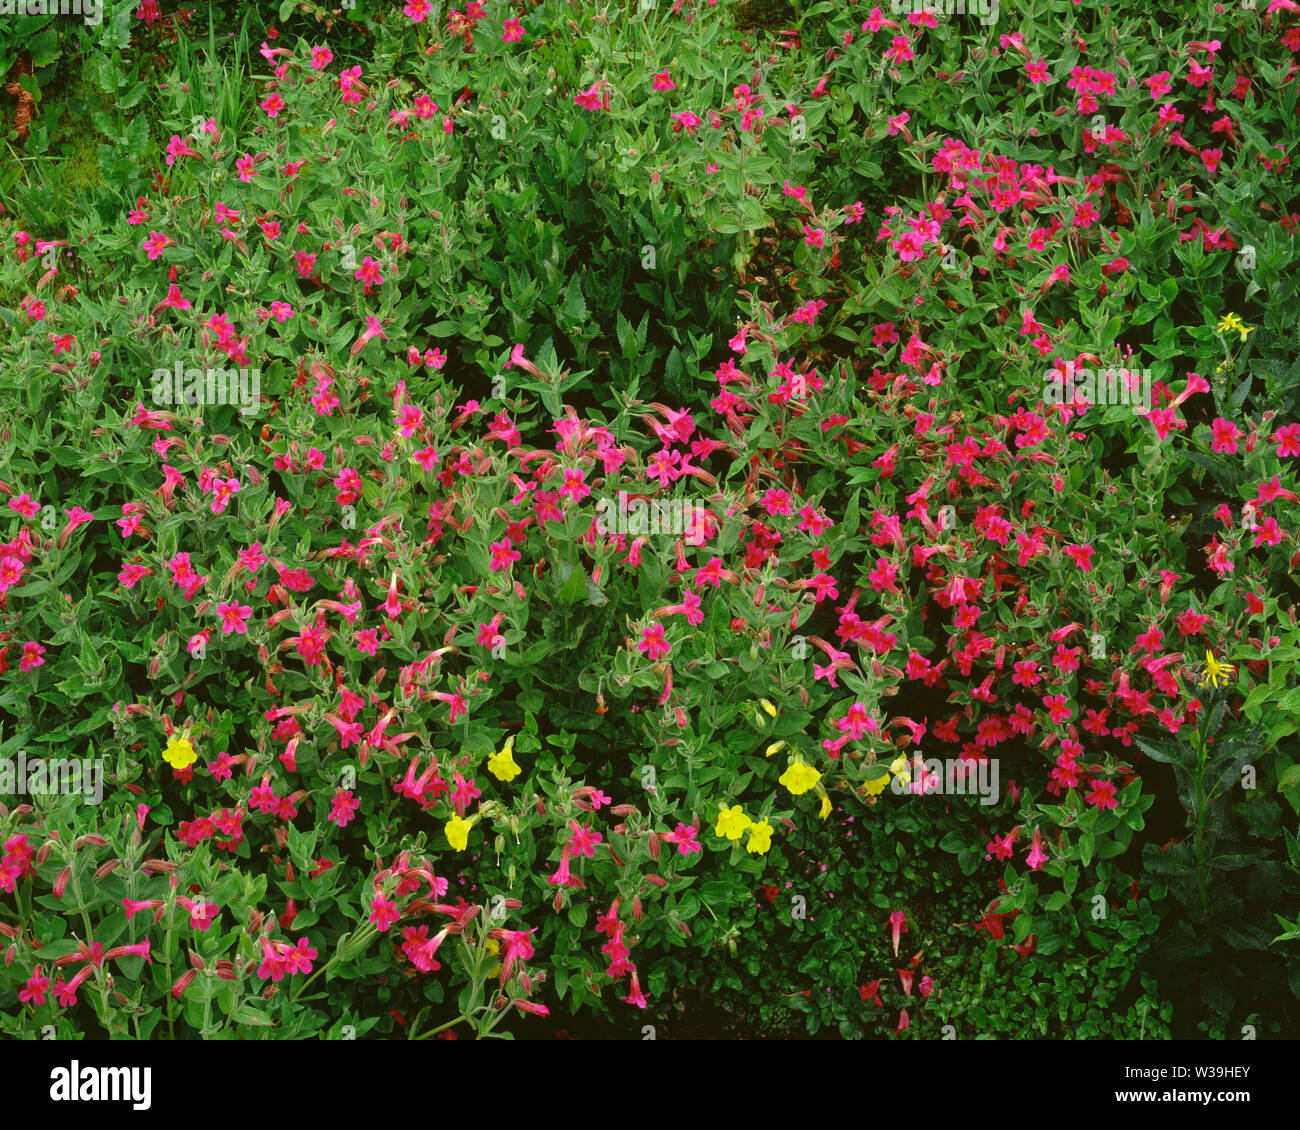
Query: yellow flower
column 502, row 763
column 876, row 785
column 1232, row 322
column 826, row 804
column 179, row 753
column 457, row 831
column 760, row 838
column 775, row 747
column 732, row 822
column 1214, row 670
column 771, row 710
column 799, row 778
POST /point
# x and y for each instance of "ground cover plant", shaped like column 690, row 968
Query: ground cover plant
column 650, row 519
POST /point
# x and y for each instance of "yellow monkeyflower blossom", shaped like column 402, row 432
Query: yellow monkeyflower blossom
column 899, row 768
column 179, row 753
column 876, row 785
column 502, row 763
column 1214, row 670
column 732, row 822
column 771, row 709
column 760, row 838
column 775, row 747
column 799, row 778
column 826, row 803
column 1232, row 322
column 457, row 831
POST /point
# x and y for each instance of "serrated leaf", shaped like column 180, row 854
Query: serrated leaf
column 575, row 306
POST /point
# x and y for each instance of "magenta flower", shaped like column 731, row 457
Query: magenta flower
column 684, row 836
column 897, row 924
column 503, row 555
column 1037, row 856
column 1102, row 795
column 383, row 913
column 653, row 643
column 37, row 985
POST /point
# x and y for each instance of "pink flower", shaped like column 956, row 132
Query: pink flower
column 503, row 555
column 234, row 617
column 32, row 656
column 593, row 98
column 901, row 49
column 343, row 807
column 684, row 836
column 202, row 913
column 37, row 985
column 1037, row 857
column 1081, row 555
column 512, row 31
column 1102, row 795
column 24, row 505
column 653, row 643
column 409, row 419
column 635, row 996
column 383, row 912
column 1287, row 439
column 155, row 243
column 321, row 57
column 1223, row 436
column 897, row 924
column 1056, row 707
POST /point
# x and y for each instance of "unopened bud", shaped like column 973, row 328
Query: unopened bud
column 61, row 882
column 183, row 982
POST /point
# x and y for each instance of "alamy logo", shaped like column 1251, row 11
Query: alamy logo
column 199, row 388
column 674, row 516
column 102, row 1084
column 954, row 776
column 1100, row 387
column 91, row 11
column 67, row 776
column 987, row 10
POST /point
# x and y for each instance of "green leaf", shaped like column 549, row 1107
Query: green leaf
column 575, row 306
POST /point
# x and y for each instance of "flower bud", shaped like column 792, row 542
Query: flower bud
column 61, row 882
column 183, row 982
